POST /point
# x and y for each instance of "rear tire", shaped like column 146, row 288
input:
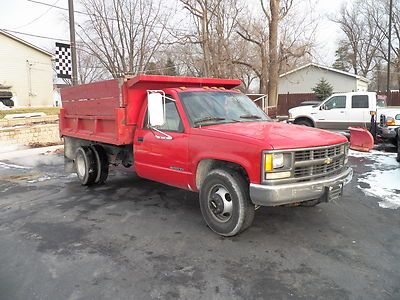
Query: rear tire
column 225, row 202
column 304, row 122
column 102, row 164
column 85, row 165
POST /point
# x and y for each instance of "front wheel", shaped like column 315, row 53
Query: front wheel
column 225, row 202
column 304, row 122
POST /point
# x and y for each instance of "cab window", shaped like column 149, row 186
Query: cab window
column 336, row 102
column 359, row 101
column 173, row 121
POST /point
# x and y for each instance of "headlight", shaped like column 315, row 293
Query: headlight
column 277, row 161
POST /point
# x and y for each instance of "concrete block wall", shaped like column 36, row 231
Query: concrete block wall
column 26, row 121
column 26, row 135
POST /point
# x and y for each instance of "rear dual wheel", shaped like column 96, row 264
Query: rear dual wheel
column 91, row 164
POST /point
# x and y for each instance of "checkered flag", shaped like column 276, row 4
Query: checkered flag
column 63, row 61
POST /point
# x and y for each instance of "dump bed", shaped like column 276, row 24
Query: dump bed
column 108, row 111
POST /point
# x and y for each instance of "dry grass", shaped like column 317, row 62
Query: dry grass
column 46, row 110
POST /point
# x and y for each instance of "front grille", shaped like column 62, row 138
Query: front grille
column 318, row 162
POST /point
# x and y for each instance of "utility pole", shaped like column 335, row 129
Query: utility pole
column 72, row 41
column 389, row 49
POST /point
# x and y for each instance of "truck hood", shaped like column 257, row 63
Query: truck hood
column 389, row 111
column 302, row 110
column 274, row 135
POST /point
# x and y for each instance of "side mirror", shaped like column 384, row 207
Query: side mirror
column 322, row 107
column 156, row 109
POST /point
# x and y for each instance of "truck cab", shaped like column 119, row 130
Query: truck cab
column 339, row 111
column 202, row 135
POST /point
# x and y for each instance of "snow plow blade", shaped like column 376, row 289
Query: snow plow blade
column 361, row 139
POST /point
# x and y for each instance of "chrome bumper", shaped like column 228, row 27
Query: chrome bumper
column 273, row 195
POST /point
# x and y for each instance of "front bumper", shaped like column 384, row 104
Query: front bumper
column 273, row 195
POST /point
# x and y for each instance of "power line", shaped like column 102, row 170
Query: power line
column 35, row 35
column 107, row 18
column 37, row 18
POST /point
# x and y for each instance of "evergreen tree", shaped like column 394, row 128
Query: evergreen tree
column 170, row 68
column 153, row 69
column 342, row 61
column 323, row 89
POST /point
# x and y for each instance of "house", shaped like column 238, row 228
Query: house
column 25, row 71
column 303, row 79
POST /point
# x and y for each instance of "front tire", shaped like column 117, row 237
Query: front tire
column 304, row 122
column 225, row 202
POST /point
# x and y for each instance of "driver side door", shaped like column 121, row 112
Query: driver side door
column 332, row 114
column 160, row 159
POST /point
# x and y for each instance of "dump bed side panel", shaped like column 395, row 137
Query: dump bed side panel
column 93, row 99
column 96, row 112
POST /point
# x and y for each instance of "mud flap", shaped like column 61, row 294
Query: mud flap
column 69, row 166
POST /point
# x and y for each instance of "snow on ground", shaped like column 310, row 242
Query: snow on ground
column 383, row 181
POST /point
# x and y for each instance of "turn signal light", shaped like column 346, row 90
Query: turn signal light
column 268, row 162
column 390, row 122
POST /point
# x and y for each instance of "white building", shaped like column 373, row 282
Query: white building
column 25, row 71
column 305, row 78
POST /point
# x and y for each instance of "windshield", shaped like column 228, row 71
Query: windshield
column 381, row 103
column 207, row 108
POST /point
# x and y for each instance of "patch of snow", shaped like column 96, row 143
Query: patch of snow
column 382, row 158
column 40, row 179
column 12, row 166
column 383, row 180
column 6, row 148
column 384, row 185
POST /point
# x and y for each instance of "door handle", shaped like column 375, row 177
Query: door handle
column 140, row 139
column 342, row 112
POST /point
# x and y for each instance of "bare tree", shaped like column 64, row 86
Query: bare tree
column 123, row 35
column 362, row 37
column 89, row 69
column 214, row 22
column 379, row 13
column 279, row 42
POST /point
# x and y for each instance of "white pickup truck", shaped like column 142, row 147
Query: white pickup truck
column 340, row 111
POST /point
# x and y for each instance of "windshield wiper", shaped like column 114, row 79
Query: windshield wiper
column 250, row 117
column 207, row 119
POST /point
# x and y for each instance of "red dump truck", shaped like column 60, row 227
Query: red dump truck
column 202, row 135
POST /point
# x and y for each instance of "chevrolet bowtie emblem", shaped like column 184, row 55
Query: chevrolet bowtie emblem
column 328, row 161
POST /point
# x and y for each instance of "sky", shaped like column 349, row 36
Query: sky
column 26, row 16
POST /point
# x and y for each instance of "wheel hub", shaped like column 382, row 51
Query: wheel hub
column 216, row 204
column 220, row 203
